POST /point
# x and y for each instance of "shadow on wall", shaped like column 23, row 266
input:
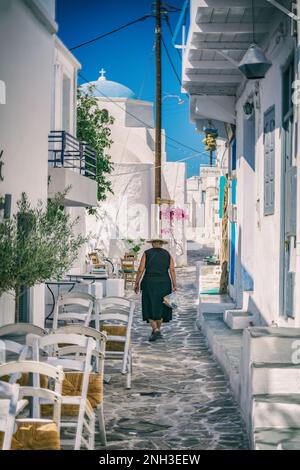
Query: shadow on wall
column 256, row 312
column 149, row 139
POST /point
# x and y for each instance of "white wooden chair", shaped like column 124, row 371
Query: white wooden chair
column 99, row 355
column 9, row 396
column 115, row 318
column 38, row 393
column 13, row 340
column 18, row 331
column 90, row 297
column 69, row 308
column 21, row 329
column 14, row 351
column 73, row 353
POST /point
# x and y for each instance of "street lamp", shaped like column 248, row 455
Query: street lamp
column 254, row 65
column 180, row 100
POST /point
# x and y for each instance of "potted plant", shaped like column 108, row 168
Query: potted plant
column 36, row 244
column 135, row 246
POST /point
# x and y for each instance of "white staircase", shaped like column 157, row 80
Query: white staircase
column 270, row 392
column 239, row 319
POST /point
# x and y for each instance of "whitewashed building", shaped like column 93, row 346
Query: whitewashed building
column 205, row 210
column 260, row 121
column 264, row 232
column 129, row 211
column 40, row 77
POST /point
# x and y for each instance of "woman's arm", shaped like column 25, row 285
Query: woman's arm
column 173, row 274
column 140, row 274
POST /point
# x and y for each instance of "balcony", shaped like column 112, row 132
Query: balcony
column 220, row 33
column 72, row 164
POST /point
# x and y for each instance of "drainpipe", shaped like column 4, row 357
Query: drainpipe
column 297, row 283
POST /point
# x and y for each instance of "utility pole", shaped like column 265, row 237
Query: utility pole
column 158, row 104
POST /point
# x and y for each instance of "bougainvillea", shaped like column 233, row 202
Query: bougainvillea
column 174, row 213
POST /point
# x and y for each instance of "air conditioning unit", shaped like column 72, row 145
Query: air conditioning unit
column 232, row 213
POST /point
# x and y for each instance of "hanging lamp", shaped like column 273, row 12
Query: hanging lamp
column 254, row 64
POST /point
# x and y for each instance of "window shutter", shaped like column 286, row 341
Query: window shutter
column 269, row 161
column 291, row 201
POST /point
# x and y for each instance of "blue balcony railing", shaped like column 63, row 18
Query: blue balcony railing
column 65, row 151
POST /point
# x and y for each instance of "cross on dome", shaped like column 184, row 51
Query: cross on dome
column 102, row 74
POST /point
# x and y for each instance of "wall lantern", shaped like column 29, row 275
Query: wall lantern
column 248, row 108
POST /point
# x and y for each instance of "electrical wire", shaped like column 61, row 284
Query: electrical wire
column 135, row 117
column 182, row 160
column 138, row 20
column 170, row 60
column 172, row 34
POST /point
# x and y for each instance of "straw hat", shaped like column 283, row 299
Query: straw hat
column 159, row 240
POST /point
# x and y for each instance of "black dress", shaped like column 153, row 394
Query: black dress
column 155, row 285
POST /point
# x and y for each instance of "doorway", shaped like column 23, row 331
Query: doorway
column 289, row 195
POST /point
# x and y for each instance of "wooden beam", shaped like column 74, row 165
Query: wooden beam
column 209, row 64
column 233, row 28
column 213, row 90
column 211, row 79
column 213, row 45
column 230, row 3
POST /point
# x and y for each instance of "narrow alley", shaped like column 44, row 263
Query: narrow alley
column 180, row 398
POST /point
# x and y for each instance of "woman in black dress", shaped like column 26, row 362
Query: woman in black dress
column 157, row 266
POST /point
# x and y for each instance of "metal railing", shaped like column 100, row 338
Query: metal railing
column 65, row 151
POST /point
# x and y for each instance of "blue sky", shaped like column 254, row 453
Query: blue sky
column 129, row 58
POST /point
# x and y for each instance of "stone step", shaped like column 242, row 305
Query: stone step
column 276, row 379
column 278, row 411
column 272, row 439
column 214, row 304
column 289, row 445
column 238, row 319
column 274, row 344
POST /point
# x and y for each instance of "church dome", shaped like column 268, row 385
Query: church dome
column 106, row 88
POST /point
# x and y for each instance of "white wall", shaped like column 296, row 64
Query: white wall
column 26, row 55
column 263, row 243
column 127, row 212
column 131, row 144
column 132, row 153
column 174, row 188
column 129, row 112
column 65, row 66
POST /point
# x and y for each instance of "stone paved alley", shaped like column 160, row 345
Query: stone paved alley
column 180, row 398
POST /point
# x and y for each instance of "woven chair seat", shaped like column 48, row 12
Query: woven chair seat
column 23, row 381
column 72, row 387
column 35, row 436
column 114, row 330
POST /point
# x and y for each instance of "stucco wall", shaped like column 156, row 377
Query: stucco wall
column 128, row 112
column 174, row 188
column 263, row 242
column 26, row 51
column 127, row 212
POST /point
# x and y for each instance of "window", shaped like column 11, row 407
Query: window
column 66, row 104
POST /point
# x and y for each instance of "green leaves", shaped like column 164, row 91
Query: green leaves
column 37, row 243
column 135, row 245
column 93, row 128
